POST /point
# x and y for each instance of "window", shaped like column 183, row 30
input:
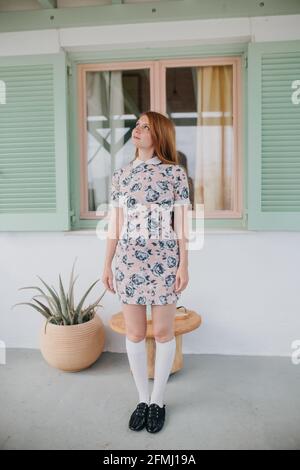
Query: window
column 203, row 99
column 111, row 98
column 201, row 96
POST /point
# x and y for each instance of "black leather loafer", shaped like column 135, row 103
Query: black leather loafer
column 138, row 418
column 156, row 417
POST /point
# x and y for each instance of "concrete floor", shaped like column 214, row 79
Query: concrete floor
column 214, row 402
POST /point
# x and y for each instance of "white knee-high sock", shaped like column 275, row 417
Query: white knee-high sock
column 164, row 358
column 137, row 356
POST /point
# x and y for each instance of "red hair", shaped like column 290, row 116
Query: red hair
column 163, row 134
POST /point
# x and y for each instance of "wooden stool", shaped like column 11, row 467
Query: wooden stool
column 184, row 322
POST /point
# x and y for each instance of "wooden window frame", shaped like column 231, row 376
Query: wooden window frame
column 157, row 71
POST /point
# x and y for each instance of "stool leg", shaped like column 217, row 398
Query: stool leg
column 150, row 343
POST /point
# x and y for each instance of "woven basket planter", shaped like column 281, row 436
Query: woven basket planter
column 72, row 348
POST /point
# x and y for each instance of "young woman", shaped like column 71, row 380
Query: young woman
column 151, row 256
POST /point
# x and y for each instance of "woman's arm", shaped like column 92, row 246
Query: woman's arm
column 181, row 228
column 114, row 229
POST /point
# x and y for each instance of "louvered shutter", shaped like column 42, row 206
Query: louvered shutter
column 274, row 136
column 34, row 187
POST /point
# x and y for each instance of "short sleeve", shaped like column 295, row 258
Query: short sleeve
column 181, row 186
column 115, row 189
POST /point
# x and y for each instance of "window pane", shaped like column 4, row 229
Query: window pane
column 114, row 100
column 199, row 101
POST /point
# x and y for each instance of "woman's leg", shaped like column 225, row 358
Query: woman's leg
column 163, row 317
column 136, row 327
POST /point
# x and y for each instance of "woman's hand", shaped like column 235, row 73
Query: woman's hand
column 107, row 279
column 182, row 279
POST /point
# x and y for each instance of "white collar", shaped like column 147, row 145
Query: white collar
column 154, row 160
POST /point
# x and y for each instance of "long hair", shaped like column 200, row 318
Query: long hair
column 162, row 132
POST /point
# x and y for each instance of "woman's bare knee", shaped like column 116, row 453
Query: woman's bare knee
column 163, row 317
column 135, row 321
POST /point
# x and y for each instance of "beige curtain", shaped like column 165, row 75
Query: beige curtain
column 214, row 152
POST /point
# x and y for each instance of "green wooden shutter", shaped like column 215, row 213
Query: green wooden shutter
column 34, row 180
column 274, row 136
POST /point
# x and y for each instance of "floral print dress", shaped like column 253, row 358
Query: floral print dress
column 147, row 252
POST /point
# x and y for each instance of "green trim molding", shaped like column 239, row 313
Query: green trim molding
column 150, row 12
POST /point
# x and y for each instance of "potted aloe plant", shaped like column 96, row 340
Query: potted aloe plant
column 72, row 336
